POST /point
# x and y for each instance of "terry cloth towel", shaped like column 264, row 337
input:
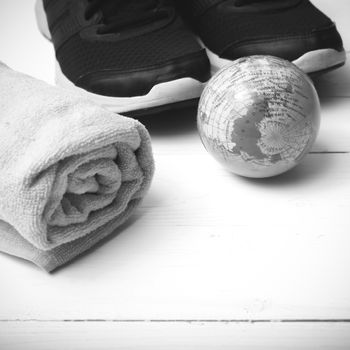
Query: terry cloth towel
column 70, row 171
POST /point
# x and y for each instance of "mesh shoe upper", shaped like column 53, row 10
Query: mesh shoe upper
column 285, row 28
column 154, row 43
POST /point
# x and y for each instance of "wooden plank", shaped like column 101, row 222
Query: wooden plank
column 335, row 126
column 208, row 245
column 171, row 336
column 176, row 132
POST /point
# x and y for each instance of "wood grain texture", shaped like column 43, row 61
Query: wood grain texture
column 210, row 245
column 174, row 335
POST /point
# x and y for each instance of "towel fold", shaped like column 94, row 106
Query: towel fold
column 70, row 171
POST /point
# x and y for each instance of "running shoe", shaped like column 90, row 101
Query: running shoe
column 128, row 55
column 291, row 29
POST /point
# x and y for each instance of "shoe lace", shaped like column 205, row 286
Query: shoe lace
column 118, row 15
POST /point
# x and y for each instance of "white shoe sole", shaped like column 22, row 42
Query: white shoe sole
column 167, row 93
column 311, row 62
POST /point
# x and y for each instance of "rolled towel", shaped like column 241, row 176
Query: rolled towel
column 70, row 171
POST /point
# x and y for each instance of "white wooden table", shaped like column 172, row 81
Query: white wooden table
column 210, row 260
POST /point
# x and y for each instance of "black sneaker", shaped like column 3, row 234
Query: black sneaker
column 291, row 29
column 128, row 55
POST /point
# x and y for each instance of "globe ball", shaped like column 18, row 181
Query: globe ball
column 259, row 116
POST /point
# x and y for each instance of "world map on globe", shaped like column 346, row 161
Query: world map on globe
column 259, row 112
